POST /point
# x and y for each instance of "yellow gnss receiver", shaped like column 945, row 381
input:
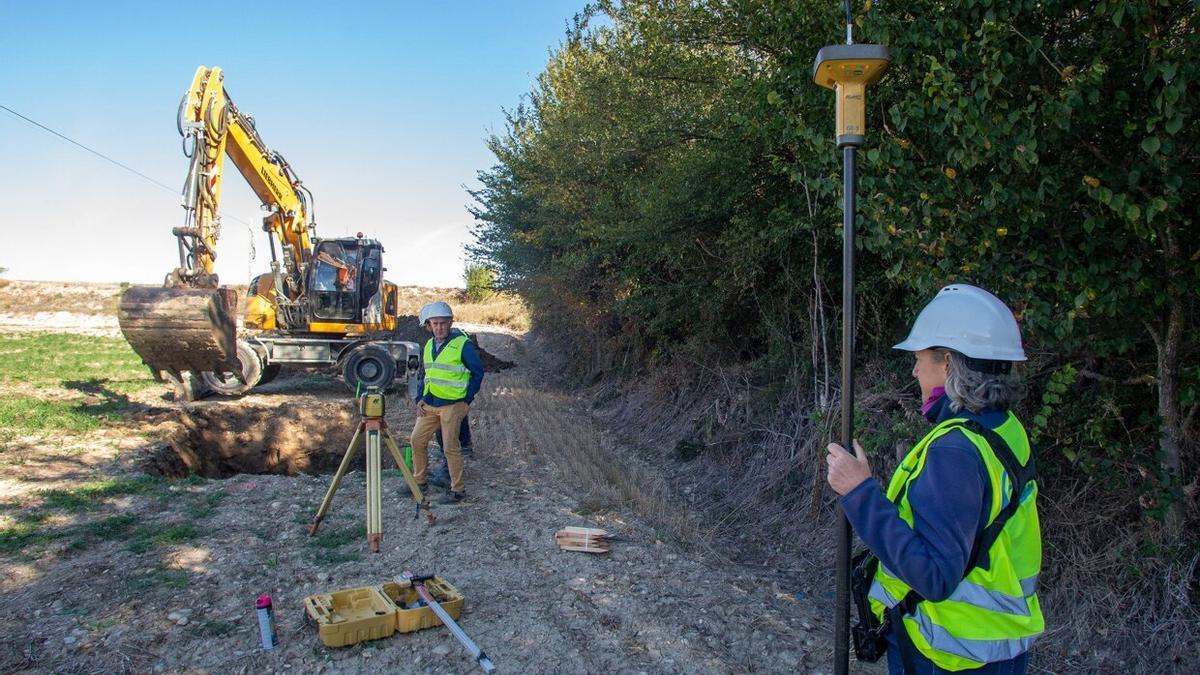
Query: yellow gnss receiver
column 848, row 69
column 371, row 404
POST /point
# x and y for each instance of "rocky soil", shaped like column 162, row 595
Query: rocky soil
column 656, row 603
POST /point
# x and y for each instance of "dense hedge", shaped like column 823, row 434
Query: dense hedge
column 671, row 187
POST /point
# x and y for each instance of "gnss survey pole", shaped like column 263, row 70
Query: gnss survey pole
column 848, row 69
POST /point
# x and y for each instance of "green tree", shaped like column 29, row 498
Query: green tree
column 1049, row 149
column 671, row 186
column 481, row 282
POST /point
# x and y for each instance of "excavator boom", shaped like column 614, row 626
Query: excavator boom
column 189, row 324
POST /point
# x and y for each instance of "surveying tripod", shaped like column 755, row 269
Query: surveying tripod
column 372, row 428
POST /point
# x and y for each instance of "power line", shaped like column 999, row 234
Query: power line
column 106, row 158
column 97, row 153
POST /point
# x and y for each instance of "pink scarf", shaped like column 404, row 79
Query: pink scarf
column 934, row 395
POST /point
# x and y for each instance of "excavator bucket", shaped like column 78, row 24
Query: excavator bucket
column 176, row 330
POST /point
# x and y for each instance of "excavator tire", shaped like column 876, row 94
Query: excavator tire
column 228, row 383
column 369, row 366
column 176, row 330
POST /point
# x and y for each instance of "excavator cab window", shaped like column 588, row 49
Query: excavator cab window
column 372, row 265
column 335, row 282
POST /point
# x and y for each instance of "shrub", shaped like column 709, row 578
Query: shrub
column 481, row 282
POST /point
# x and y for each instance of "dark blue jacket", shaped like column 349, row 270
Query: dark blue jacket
column 949, row 500
column 470, row 358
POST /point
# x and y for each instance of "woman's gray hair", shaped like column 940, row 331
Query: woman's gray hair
column 978, row 391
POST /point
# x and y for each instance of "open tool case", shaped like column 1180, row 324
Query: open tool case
column 352, row 615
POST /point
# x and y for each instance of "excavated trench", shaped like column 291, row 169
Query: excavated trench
column 303, row 434
column 219, row 441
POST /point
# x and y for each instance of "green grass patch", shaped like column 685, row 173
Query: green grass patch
column 84, row 536
column 90, row 496
column 191, row 480
column 203, row 505
column 60, row 359
column 27, row 533
column 27, row 414
column 103, row 624
column 216, row 629
column 326, row 547
column 150, row 537
column 23, row 532
column 107, row 528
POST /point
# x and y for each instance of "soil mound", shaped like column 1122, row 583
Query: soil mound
column 409, row 330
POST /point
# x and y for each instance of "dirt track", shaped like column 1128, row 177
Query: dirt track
column 652, row 605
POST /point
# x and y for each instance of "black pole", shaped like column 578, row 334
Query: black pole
column 841, row 630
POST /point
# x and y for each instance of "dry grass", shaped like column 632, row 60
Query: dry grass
column 1115, row 601
column 58, row 296
column 502, row 309
column 411, row 298
column 606, row 478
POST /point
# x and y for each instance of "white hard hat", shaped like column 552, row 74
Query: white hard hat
column 435, row 309
column 969, row 320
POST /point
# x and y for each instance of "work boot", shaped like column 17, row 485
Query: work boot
column 441, row 477
column 452, row 497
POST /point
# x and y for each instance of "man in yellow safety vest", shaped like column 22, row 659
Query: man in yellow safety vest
column 452, row 373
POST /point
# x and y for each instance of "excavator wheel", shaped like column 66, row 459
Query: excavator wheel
column 227, row 382
column 369, row 367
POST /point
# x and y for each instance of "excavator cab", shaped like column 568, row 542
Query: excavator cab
column 343, row 278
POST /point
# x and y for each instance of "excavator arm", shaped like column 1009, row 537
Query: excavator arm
column 214, row 128
column 188, row 324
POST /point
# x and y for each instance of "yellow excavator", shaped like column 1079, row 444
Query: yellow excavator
column 324, row 303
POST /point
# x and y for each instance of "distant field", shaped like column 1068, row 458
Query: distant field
column 100, row 299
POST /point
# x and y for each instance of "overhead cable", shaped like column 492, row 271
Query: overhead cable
column 106, row 158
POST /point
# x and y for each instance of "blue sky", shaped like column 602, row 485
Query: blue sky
column 382, row 108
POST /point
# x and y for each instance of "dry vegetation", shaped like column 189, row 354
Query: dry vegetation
column 1115, row 599
column 31, row 298
column 502, row 309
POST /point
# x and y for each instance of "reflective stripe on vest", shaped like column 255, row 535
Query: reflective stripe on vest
column 939, row 639
column 972, row 594
column 993, row 614
column 446, row 377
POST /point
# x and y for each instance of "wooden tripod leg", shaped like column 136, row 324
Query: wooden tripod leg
column 374, row 486
column 415, row 489
column 337, row 480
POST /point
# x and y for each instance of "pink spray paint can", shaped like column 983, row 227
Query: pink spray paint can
column 266, row 622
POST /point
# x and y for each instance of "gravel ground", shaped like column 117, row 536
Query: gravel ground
column 653, row 604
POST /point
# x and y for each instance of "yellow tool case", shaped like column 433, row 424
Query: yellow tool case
column 352, row 615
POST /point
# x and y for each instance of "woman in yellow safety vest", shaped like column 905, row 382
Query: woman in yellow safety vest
column 955, row 538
